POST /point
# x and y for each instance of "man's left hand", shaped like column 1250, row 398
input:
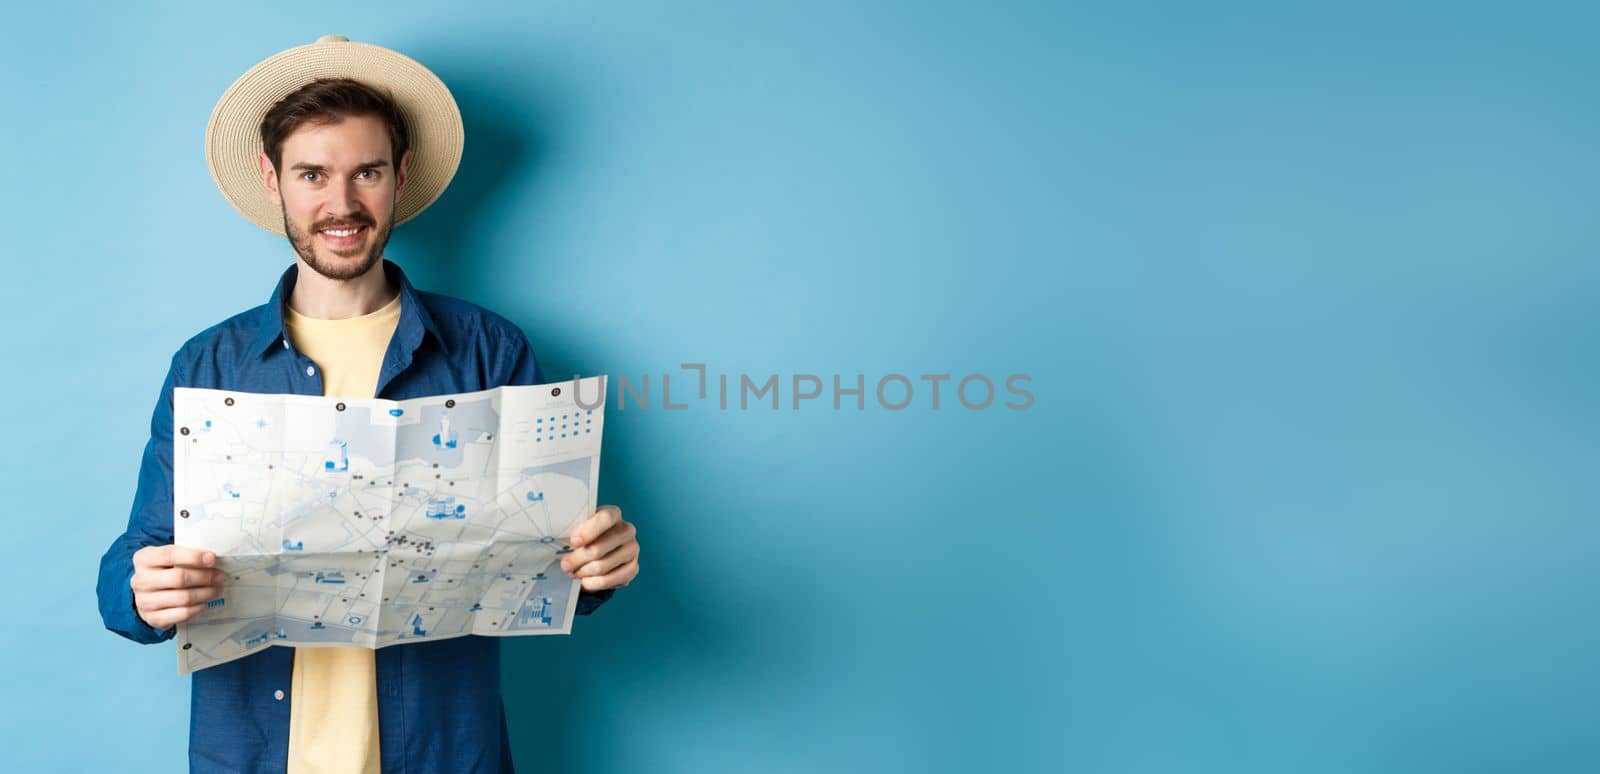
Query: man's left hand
column 605, row 551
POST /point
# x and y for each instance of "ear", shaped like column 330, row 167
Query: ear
column 269, row 177
column 400, row 174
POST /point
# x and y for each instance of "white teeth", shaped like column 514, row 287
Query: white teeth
column 342, row 233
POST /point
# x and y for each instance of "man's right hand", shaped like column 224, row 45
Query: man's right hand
column 171, row 584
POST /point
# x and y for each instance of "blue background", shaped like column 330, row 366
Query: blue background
column 1308, row 297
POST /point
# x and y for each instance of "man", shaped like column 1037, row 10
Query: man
column 336, row 143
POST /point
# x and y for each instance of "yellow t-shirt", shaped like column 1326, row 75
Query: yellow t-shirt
column 333, row 699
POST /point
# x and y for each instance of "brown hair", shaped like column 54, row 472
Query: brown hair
column 327, row 101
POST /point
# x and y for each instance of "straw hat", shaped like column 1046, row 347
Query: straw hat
column 233, row 138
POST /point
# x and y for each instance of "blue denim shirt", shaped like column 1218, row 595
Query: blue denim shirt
column 439, row 706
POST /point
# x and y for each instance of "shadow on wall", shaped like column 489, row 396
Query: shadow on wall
column 495, row 151
column 648, row 639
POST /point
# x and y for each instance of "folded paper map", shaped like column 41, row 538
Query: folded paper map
column 350, row 522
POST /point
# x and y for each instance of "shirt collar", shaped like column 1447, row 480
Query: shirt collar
column 414, row 318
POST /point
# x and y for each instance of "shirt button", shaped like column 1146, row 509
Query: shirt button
column 277, row 695
column 310, row 371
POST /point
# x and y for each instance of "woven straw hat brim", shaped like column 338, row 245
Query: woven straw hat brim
column 233, row 137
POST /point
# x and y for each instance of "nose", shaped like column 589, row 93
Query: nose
column 342, row 198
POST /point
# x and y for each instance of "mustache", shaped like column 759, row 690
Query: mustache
column 350, row 223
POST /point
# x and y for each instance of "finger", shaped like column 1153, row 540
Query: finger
column 173, row 556
column 162, row 619
column 621, row 576
column 155, row 601
column 153, row 556
column 192, row 557
column 175, row 578
column 627, row 553
column 605, row 544
column 597, row 523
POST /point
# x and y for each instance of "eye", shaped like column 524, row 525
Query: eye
column 372, row 172
column 306, row 176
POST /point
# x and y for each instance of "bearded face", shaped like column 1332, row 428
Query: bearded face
column 338, row 189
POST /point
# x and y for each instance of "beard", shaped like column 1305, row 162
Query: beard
column 305, row 245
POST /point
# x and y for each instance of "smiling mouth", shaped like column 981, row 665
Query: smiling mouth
column 343, row 237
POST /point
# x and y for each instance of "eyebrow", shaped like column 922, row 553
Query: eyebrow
column 321, row 168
